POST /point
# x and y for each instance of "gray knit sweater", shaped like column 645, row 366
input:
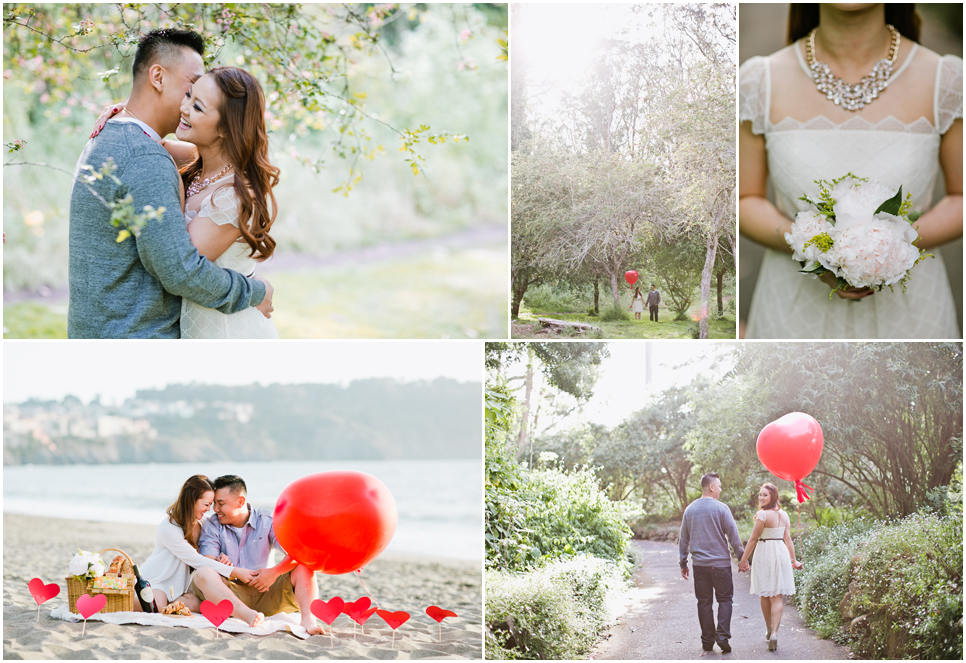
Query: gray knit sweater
column 706, row 529
column 133, row 289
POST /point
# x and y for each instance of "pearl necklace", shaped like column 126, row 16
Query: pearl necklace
column 858, row 96
column 197, row 185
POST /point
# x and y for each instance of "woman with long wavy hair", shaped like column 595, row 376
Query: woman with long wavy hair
column 168, row 569
column 222, row 154
column 771, row 573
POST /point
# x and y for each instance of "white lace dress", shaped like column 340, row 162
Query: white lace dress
column 221, row 206
column 771, row 567
column 788, row 304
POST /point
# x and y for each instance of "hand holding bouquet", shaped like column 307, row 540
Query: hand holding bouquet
column 85, row 565
column 860, row 231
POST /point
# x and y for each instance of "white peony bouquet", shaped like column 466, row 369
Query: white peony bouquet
column 860, row 231
column 86, row 565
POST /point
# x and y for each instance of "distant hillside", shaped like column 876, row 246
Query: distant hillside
column 367, row 420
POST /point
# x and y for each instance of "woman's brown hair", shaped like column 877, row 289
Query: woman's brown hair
column 773, row 504
column 182, row 512
column 803, row 18
column 246, row 146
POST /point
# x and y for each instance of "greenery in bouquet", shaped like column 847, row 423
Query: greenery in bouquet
column 859, row 230
column 86, row 565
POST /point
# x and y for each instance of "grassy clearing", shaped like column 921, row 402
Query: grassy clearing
column 526, row 326
column 447, row 294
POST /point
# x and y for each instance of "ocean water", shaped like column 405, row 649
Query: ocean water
column 440, row 502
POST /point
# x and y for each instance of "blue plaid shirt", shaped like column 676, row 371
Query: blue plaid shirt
column 247, row 547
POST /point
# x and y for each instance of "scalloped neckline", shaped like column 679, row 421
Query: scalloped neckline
column 870, row 126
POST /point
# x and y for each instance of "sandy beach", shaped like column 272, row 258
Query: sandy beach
column 41, row 547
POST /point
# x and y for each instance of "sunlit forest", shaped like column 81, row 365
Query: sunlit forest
column 623, row 169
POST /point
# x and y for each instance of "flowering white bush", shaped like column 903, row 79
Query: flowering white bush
column 860, row 230
column 86, row 565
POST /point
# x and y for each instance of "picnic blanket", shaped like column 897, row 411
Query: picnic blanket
column 280, row 622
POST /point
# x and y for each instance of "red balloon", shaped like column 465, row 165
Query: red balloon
column 630, row 277
column 791, row 446
column 335, row 522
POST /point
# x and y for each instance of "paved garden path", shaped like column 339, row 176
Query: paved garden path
column 661, row 620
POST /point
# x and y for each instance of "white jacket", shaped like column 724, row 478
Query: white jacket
column 167, row 566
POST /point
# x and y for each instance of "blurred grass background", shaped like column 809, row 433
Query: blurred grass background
column 401, row 256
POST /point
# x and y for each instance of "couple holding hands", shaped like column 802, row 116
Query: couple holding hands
column 707, row 529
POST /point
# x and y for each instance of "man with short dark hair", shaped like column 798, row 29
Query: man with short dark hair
column 707, row 527
column 133, row 288
column 242, row 535
column 653, row 301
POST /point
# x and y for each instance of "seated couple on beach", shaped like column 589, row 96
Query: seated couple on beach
column 224, row 557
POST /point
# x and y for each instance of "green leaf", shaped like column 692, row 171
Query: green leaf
column 914, row 216
column 892, row 205
column 814, row 267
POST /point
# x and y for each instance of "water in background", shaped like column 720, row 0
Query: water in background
column 440, row 502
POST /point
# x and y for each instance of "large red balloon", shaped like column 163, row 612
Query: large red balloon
column 335, row 522
column 791, row 446
column 630, row 277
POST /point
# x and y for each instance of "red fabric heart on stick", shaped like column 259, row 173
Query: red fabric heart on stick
column 329, row 610
column 42, row 592
column 439, row 615
column 88, row 605
column 395, row 620
column 217, row 613
column 356, row 608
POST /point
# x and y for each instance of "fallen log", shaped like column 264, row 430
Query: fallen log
column 558, row 325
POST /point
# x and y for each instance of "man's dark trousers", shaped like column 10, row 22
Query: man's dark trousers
column 710, row 583
column 653, row 311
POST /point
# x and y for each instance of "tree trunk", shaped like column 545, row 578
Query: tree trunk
column 520, row 285
column 614, row 290
column 596, row 295
column 720, row 288
column 706, row 281
column 524, row 418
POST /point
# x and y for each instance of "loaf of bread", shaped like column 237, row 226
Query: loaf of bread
column 176, row 608
column 116, row 565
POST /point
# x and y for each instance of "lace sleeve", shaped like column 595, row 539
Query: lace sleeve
column 753, row 92
column 949, row 92
column 222, row 207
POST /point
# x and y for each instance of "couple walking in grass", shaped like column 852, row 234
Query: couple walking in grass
column 707, row 529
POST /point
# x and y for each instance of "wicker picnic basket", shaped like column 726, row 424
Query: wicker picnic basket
column 118, row 600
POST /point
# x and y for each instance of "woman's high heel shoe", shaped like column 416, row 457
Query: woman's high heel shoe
column 773, row 642
column 767, row 633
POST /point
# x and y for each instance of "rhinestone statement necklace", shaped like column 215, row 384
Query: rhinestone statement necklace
column 852, row 97
column 198, row 184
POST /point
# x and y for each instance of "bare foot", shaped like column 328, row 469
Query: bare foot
column 259, row 618
column 312, row 628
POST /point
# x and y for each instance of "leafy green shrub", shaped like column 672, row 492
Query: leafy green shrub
column 615, row 314
column 554, row 612
column 551, row 515
column 888, row 589
column 827, row 553
column 546, row 297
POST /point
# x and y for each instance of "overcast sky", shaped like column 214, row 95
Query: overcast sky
column 620, row 390
column 115, row 370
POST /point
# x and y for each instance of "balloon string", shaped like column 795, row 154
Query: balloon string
column 359, row 576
